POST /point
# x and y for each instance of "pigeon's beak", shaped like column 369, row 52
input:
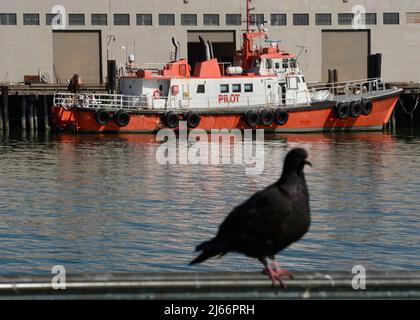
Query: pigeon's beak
column 308, row 163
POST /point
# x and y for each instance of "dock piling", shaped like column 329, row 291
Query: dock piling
column 30, row 112
column 5, row 107
column 44, row 108
column 23, row 113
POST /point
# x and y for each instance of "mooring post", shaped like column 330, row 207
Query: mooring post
column 5, row 103
column 45, row 112
column 23, row 113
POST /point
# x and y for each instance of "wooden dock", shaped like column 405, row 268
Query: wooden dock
column 210, row 286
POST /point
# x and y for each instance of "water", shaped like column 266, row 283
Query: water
column 104, row 204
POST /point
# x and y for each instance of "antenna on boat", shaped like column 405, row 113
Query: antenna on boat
column 248, row 14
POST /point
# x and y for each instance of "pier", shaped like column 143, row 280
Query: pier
column 174, row 286
column 26, row 107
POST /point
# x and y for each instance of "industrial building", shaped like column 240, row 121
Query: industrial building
column 56, row 39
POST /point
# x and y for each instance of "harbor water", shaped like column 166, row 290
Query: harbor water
column 103, row 203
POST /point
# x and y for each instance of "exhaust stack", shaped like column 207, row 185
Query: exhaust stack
column 177, row 46
column 206, row 48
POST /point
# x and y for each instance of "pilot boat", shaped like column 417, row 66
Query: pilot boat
column 264, row 88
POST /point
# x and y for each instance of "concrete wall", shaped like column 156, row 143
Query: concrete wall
column 27, row 49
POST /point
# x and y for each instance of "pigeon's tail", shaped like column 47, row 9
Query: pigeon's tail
column 209, row 249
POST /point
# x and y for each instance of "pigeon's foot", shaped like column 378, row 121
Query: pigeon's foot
column 276, row 275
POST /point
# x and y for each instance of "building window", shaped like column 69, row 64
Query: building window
column 301, row 19
column 211, row 20
column 345, row 19
column 8, row 19
column 278, row 19
column 76, row 19
column 167, row 19
column 121, row 19
column 51, row 16
column 144, row 19
column 248, row 87
column 323, row 19
column 188, row 19
column 99, row 19
column 413, row 17
column 257, row 19
column 369, row 18
column 31, row 19
column 233, row 19
column 391, row 18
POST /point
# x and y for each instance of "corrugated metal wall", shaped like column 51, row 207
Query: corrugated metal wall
column 77, row 52
column 346, row 51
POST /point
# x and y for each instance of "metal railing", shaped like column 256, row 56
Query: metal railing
column 96, row 101
column 363, row 85
column 115, row 102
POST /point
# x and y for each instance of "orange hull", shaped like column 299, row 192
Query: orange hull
column 308, row 119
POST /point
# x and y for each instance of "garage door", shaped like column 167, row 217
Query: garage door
column 346, row 51
column 77, row 52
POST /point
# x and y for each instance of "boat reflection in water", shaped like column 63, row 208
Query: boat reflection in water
column 102, row 203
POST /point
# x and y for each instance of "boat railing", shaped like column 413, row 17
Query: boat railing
column 353, row 86
column 106, row 101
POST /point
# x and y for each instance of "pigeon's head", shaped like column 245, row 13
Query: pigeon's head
column 296, row 160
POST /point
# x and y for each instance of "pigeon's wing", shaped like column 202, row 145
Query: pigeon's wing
column 259, row 217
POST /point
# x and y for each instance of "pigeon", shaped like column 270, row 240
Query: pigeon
column 268, row 222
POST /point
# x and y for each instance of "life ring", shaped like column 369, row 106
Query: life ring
column 266, row 117
column 193, row 119
column 342, row 110
column 367, row 107
column 156, row 95
column 252, row 118
column 281, row 117
column 171, row 119
column 122, row 118
column 102, row 117
column 355, row 109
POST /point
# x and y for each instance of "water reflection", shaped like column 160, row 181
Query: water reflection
column 104, row 204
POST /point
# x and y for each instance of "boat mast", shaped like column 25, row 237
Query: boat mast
column 248, row 15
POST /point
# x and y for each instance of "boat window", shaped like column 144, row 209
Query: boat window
column 268, row 63
column 291, row 83
column 293, row 63
column 277, row 65
column 201, row 88
column 236, row 88
column 249, row 87
column 224, row 88
column 285, row 63
column 257, row 63
column 303, row 79
column 298, row 79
